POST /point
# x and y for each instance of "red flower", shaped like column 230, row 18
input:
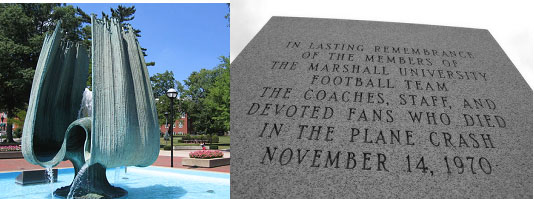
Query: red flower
column 206, row 154
column 10, row 148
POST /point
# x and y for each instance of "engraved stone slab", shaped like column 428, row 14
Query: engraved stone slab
column 324, row 108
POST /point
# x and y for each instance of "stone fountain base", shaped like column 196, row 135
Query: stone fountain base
column 35, row 177
column 63, row 192
column 91, row 182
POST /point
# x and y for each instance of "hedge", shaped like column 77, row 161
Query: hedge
column 214, row 138
column 167, row 147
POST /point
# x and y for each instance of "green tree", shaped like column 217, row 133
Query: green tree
column 207, row 99
column 20, row 115
column 198, row 84
column 161, row 82
column 123, row 14
column 22, row 31
column 227, row 16
column 217, row 101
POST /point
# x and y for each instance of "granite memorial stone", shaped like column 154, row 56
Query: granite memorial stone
column 324, row 108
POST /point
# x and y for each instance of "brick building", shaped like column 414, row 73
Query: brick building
column 180, row 126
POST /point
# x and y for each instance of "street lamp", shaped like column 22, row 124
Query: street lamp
column 166, row 136
column 172, row 94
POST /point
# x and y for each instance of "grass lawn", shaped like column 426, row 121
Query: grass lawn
column 224, row 139
column 175, row 138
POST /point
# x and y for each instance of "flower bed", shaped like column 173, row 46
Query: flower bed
column 206, row 163
column 10, row 152
column 10, row 148
column 206, row 154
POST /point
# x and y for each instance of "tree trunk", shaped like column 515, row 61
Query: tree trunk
column 9, row 132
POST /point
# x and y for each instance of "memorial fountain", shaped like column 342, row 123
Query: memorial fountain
column 121, row 127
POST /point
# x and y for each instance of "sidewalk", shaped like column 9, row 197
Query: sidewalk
column 164, row 160
column 185, row 153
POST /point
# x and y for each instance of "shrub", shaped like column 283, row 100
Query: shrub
column 167, row 147
column 206, row 154
column 214, row 139
column 187, row 137
column 17, row 133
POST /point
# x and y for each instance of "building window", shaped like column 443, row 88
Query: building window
column 181, row 124
column 183, row 115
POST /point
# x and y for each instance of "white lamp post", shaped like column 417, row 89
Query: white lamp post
column 172, row 94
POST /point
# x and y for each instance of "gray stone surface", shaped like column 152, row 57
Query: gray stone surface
column 35, row 177
column 473, row 140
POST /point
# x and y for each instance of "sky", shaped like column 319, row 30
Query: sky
column 509, row 23
column 181, row 37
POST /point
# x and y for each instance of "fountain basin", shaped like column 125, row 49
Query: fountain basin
column 147, row 182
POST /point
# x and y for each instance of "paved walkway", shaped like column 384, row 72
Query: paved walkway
column 185, row 153
column 164, row 160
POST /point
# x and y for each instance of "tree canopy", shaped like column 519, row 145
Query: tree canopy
column 207, row 99
column 205, row 95
column 161, row 82
column 124, row 15
column 22, row 30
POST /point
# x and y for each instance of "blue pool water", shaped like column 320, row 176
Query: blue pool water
column 147, row 182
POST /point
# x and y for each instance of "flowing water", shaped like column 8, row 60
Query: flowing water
column 50, row 177
column 79, row 181
column 86, row 107
column 117, row 174
column 125, row 172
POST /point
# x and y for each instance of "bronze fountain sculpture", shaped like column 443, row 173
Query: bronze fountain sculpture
column 122, row 129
